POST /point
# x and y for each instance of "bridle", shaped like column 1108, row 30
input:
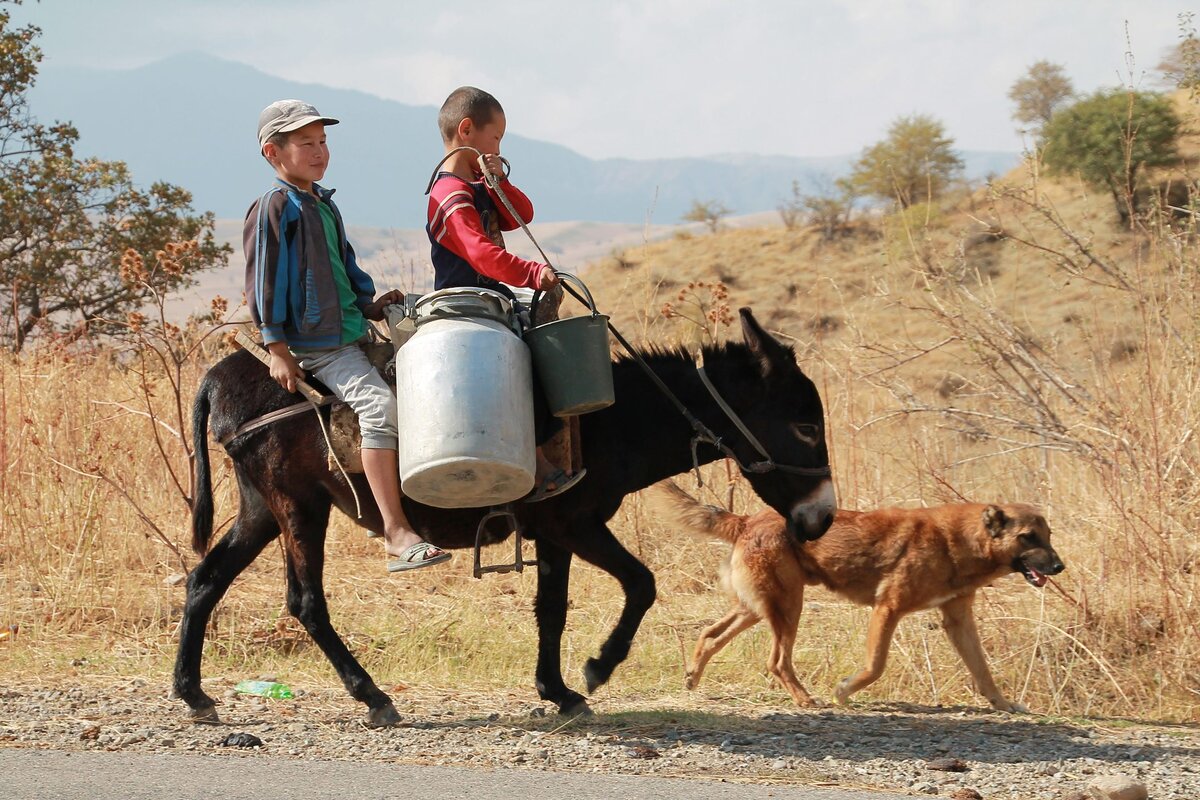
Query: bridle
column 767, row 464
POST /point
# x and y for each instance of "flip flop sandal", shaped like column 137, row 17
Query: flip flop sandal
column 418, row 556
column 561, row 482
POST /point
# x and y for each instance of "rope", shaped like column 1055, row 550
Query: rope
column 338, row 461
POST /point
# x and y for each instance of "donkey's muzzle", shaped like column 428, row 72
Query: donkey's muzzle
column 810, row 518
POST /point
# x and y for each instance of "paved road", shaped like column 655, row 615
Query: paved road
column 41, row 774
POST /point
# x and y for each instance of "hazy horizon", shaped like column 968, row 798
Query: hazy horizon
column 668, row 79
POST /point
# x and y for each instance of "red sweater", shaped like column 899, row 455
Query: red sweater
column 465, row 221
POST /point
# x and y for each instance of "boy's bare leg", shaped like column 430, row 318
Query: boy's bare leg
column 546, row 468
column 382, row 468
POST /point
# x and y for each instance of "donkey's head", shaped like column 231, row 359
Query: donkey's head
column 782, row 408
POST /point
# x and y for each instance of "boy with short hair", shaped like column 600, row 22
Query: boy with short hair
column 466, row 219
column 311, row 301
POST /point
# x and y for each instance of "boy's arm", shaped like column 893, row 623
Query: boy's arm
column 454, row 224
column 267, row 265
column 520, row 203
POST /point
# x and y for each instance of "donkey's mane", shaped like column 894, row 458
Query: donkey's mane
column 732, row 352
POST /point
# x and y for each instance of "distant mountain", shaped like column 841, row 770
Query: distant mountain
column 190, row 119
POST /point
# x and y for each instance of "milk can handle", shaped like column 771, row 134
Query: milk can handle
column 569, row 278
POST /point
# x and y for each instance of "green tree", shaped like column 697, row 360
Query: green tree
column 828, row 209
column 710, row 212
column 1109, row 139
column 1180, row 66
column 1037, row 95
column 68, row 221
column 915, row 162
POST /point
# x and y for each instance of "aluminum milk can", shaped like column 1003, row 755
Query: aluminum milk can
column 464, row 388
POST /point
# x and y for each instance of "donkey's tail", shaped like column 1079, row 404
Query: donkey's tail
column 202, row 497
column 679, row 507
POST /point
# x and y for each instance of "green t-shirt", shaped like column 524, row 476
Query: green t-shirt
column 354, row 324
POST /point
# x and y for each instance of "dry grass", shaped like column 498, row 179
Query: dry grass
column 933, row 393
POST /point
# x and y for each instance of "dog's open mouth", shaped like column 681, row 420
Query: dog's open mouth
column 1034, row 577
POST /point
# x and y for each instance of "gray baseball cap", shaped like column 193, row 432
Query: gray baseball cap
column 287, row 115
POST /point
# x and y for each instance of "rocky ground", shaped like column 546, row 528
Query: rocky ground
column 947, row 752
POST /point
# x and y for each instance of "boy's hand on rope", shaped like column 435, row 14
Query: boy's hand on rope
column 546, row 278
column 492, row 164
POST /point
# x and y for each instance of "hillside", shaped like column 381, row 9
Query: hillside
column 872, row 285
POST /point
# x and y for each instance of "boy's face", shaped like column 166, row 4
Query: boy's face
column 303, row 158
column 484, row 138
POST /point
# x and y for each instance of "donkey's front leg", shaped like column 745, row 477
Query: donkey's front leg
column 550, row 607
column 305, row 549
column 596, row 544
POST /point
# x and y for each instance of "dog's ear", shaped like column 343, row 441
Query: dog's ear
column 993, row 521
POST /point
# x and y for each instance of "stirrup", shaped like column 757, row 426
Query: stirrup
column 519, row 563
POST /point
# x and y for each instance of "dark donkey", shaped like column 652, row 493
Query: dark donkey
column 287, row 488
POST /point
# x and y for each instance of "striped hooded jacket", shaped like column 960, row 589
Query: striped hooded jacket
column 289, row 277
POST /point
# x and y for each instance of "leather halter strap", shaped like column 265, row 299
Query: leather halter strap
column 767, row 463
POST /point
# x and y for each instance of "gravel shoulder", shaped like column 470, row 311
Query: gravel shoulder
column 894, row 747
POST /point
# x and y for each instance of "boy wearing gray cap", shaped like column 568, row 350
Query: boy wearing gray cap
column 311, row 301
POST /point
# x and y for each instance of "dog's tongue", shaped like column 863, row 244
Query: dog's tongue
column 1039, row 580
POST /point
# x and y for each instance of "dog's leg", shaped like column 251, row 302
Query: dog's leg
column 715, row 637
column 783, row 623
column 958, row 620
column 879, row 639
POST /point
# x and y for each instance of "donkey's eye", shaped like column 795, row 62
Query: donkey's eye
column 806, row 432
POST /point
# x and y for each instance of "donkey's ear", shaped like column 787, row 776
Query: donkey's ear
column 765, row 346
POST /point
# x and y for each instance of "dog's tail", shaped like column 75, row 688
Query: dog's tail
column 678, row 506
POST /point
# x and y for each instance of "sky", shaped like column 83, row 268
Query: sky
column 656, row 78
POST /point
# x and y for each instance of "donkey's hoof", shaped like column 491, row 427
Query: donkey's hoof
column 579, row 709
column 594, row 675
column 383, row 717
column 206, row 715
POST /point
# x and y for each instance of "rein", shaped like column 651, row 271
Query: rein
column 702, row 434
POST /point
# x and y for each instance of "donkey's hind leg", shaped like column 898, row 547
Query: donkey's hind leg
column 254, row 528
column 304, row 545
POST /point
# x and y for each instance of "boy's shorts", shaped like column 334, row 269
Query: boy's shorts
column 350, row 376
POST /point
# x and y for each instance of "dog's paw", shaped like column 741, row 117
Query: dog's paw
column 689, row 681
column 842, row 692
column 1012, row 708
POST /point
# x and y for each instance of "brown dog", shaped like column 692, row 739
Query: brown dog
column 896, row 560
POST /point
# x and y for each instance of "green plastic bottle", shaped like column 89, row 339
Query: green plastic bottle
column 279, row 691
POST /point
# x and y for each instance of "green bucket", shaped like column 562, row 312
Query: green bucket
column 572, row 360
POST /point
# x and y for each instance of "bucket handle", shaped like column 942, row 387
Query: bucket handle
column 569, row 278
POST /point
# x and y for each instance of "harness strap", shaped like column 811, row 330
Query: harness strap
column 768, row 463
column 734, row 418
column 275, row 416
